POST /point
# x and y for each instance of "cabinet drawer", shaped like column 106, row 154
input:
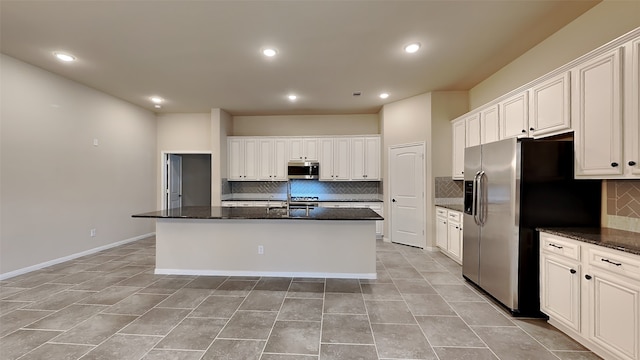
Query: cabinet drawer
column 441, row 212
column 453, row 216
column 556, row 245
column 614, row 261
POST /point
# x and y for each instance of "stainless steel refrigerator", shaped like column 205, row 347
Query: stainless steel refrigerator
column 510, row 188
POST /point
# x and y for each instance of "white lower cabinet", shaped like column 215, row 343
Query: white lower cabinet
column 598, row 306
column 449, row 233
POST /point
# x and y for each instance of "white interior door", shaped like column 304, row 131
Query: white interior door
column 174, row 181
column 406, row 176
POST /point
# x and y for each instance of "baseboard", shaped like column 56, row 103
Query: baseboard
column 45, row 264
column 371, row 276
column 386, row 239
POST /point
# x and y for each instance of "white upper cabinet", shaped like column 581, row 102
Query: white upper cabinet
column 303, row 149
column 472, row 128
column 243, row 159
column 596, row 105
column 365, row 158
column 489, row 125
column 334, row 158
column 272, row 159
column 514, row 121
column 549, row 106
column 458, row 130
column 632, row 120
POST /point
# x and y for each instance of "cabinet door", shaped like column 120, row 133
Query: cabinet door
column 310, row 147
column 614, row 313
column 454, row 245
column 280, row 159
column 549, row 108
column 296, row 149
column 489, row 125
column 442, row 239
column 459, row 143
column 235, row 159
column 358, row 161
column 560, row 290
column 473, row 130
column 632, row 130
column 372, row 158
column 514, row 119
column 326, row 159
column 341, row 159
column 250, row 159
column 596, row 107
column 265, row 159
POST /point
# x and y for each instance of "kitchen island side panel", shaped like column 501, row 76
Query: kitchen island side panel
column 340, row 249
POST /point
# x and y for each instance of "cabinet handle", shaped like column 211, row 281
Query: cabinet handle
column 573, row 271
column 588, row 277
column 531, row 129
column 555, row 246
column 457, row 228
column 632, row 163
column 524, row 131
column 611, row 262
column 614, row 164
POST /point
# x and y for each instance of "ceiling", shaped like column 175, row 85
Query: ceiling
column 199, row 55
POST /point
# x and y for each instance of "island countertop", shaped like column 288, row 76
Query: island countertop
column 216, row 212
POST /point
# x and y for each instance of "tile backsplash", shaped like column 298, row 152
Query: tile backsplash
column 322, row 189
column 448, row 188
column 623, row 205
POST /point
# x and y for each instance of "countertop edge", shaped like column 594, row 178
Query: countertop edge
column 595, row 236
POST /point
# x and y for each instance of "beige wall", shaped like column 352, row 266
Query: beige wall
column 601, row 24
column 221, row 127
column 180, row 133
column 445, row 105
column 55, row 185
column 299, row 125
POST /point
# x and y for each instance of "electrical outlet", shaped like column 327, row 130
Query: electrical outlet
column 260, row 250
column 92, row 233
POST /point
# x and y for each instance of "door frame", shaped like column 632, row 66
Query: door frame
column 164, row 155
column 388, row 197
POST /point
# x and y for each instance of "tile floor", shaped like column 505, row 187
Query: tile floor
column 110, row 305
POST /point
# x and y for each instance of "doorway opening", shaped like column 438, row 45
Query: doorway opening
column 186, row 179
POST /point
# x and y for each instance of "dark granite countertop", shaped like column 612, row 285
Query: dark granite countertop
column 216, row 212
column 455, row 207
column 319, row 200
column 626, row 241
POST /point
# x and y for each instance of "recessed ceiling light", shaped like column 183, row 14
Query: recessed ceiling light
column 157, row 106
column 411, row 48
column 64, row 57
column 384, row 96
column 269, row 52
column 156, row 100
column 292, row 97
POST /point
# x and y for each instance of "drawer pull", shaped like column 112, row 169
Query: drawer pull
column 611, row 262
column 573, row 271
column 555, row 246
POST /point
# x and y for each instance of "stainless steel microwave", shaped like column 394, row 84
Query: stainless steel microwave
column 303, row 170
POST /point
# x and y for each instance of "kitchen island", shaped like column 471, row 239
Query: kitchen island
column 258, row 241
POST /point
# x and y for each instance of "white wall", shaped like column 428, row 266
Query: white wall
column 445, row 105
column 601, row 24
column 300, row 125
column 221, row 127
column 180, row 133
column 55, row 185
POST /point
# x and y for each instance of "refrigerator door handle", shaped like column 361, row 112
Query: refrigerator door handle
column 482, row 206
column 474, row 205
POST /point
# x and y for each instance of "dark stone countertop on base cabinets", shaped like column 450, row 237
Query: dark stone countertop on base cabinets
column 262, row 213
column 454, row 207
column 626, row 241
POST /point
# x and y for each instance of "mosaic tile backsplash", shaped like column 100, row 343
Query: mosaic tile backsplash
column 448, row 188
column 322, row 189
